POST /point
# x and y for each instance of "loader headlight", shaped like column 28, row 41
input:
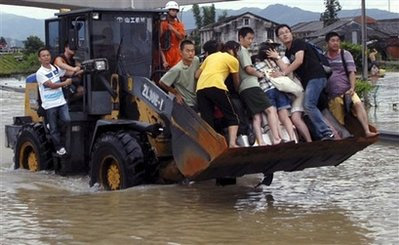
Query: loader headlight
column 101, row 65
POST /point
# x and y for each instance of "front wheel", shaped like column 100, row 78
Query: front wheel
column 117, row 161
column 32, row 150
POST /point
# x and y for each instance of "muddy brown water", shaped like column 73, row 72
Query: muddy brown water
column 354, row 203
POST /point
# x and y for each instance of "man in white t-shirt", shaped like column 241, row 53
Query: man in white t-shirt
column 52, row 97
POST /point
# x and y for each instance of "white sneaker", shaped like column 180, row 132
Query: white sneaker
column 61, row 151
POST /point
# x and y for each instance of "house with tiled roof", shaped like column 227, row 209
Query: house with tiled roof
column 227, row 29
column 380, row 33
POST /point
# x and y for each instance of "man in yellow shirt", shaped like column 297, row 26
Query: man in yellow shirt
column 212, row 91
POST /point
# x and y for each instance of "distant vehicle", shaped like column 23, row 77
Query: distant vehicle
column 126, row 131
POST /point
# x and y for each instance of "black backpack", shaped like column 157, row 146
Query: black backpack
column 322, row 59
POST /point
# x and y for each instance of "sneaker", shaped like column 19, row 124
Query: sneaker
column 328, row 137
column 61, row 151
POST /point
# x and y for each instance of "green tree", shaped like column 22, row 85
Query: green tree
column 197, row 16
column 3, row 42
column 223, row 16
column 203, row 16
column 330, row 15
column 209, row 15
column 32, row 44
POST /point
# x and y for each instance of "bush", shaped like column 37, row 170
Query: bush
column 356, row 51
column 363, row 88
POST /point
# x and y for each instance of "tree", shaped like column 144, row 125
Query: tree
column 330, row 15
column 208, row 17
column 223, row 16
column 197, row 16
column 32, row 44
column 3, row 42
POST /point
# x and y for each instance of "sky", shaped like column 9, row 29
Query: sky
column 311, row 5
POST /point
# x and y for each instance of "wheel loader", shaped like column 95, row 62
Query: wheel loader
column 126, row 131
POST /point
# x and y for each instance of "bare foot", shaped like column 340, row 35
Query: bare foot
column 277, row 141
column 233, row 146
column 371, row 134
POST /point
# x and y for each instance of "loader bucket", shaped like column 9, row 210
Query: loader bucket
column 235, row 162
column 200, row 153
column 194, row 143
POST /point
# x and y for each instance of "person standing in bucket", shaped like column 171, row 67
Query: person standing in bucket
column 306, row 65
column 182, row 76
column 342, row 82
column 52, row 97
column 172, row 33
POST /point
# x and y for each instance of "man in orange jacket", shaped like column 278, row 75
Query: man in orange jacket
column 172, row 32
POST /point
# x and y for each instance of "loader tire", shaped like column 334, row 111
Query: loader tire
column 117, row 161
column 32, row 150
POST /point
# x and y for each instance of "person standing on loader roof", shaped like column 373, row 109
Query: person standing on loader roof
column 67, row 62
column 181, row 76
column 250, row 91
column 340, row 83
column 306, row 65
column 172, row 32
column 52, row 97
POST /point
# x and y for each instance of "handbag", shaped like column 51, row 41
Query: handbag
column 282, row 83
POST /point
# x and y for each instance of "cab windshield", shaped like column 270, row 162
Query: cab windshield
column 125, row 40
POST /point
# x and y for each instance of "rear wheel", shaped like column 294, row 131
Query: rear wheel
column 32, row 150
column 117, row 161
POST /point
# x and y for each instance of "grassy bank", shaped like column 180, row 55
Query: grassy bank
column 17, row 63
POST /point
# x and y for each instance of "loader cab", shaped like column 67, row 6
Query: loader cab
column 127, row 39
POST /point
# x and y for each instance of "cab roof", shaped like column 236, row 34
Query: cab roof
column 90, row 10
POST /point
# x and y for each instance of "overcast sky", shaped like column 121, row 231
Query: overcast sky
column 311, row 5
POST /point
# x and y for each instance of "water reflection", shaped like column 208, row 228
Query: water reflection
column 195, row 214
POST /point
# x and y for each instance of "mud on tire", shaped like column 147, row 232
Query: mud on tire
column 117, row 161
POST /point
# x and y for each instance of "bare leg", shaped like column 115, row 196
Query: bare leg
column 285, row 120
column 256, row 121
column 233, row 136
column 272, row 118
column 361, row 114
column 300, row 125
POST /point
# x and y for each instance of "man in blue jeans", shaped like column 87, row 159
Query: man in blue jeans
column 52, row 97
column 306, row 65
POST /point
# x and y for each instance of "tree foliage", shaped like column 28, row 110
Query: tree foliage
column 32, row 44
column 3, row 41
column 203, row 16
column 223, row 16
column 209, row 15
column 330, row 15
column 197, row 16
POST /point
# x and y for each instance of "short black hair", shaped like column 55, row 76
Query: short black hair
column 231, row 45
column 332, row 34
column 282, row 26
column 244, row 31
column 66, row 44
column 212, row 46
column 263, row 47
column 42, row 49
column 185, row 42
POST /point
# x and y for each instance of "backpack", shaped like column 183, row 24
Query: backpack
column 322, row 59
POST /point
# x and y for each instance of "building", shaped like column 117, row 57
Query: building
column 382, row 34
column 227, row 29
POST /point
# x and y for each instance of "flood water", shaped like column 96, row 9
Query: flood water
column 354, row 203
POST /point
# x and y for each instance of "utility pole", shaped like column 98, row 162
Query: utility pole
column 364, row 44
